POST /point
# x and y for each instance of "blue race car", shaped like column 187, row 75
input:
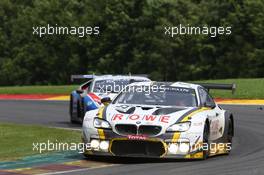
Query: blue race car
column 88, row 96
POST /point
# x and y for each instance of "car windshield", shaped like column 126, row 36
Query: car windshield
column 112, row 86
column 167, row 96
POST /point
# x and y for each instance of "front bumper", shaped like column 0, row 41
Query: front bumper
column 155, row 147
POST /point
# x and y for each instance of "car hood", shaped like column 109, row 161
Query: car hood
column 102, row 95
column 145, row 115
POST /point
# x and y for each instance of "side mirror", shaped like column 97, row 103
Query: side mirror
column 209, row 105
column 79, row 91
column 106, row 100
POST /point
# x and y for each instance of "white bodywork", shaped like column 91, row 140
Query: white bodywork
column 197, row 116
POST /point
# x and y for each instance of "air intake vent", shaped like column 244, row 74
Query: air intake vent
column 137, row 148
column 165, row 111
column 130, row 129
column 125, row 129
column 149, row 130
column 128, row 111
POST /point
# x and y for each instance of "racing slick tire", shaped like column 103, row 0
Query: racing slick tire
column 206, row 133
column 71, row 110
column 230, row 133
column 80, row 110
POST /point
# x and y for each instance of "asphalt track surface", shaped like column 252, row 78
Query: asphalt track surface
column 247, row 156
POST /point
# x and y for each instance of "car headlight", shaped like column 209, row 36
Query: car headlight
column 100, row 123
column 184, row 126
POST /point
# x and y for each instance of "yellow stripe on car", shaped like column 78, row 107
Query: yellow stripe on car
column 177, row 135
column 198, row 155
column 100, row 115
column 193, row 113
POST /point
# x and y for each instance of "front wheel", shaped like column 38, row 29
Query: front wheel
column 230, row 134
column 206, row 145
column 80, row 110
column 71, row 110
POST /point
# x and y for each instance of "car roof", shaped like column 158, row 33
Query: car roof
column 172, row 84
column 118, row 77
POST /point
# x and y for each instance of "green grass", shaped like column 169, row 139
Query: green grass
column 38, row 89
column 17, row 140
column 246, row 88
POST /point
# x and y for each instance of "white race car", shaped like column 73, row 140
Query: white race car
column 157, row 119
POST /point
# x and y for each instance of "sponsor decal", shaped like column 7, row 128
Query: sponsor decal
column 137, row 117
column 198, row 124
column 94, row 97
column 215, row 125
column 137, row 137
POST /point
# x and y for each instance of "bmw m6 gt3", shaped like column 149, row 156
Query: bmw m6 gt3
column 163, row 120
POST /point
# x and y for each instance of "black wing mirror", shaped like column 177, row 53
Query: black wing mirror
column 209, row 105
column 79, row 91
column 106, row 100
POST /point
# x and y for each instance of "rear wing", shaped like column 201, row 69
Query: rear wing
column 209, row 86
column 89, row 77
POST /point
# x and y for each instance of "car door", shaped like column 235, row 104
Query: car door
column 214, row 114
